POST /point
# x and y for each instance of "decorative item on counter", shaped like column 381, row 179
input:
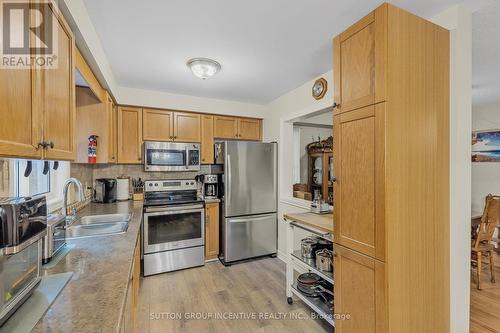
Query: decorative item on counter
column 318, row 206
column 92, row 149
column 138, row 189
column 123, row 188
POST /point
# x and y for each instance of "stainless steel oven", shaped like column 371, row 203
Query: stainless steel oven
column 171, row 156
column 173, row 227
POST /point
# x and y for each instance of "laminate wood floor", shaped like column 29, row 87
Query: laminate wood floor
column 168, row 302
column 485, row 303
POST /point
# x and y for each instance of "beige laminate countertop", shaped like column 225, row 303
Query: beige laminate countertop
column 94, row 298
column 323, row 222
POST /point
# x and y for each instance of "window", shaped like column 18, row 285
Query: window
column 36, row 183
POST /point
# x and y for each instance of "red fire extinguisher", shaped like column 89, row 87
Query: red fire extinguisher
column 92, row 149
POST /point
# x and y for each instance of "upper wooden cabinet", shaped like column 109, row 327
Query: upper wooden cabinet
column 359, row 291
column 237, row 128
column 187, row 127
column 129, row 135
column 38, row 105
column 391, row 195
column 249, row 129
column 225, row 127
column 158, row 125
column 360, row 59
column 359, row 189
column 207, row 139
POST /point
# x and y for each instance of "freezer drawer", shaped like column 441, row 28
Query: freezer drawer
column 249, row 236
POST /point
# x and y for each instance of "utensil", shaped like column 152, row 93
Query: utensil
column 308, row 246
column 324, row 260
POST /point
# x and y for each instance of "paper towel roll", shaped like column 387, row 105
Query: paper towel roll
column 122, row 190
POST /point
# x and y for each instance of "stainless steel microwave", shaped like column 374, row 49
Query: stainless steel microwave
column 171, row 156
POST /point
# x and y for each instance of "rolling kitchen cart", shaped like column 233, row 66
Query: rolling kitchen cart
column 322, row 227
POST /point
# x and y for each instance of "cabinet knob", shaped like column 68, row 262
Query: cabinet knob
column 336, row 105
column 41, row 144
column 50, row 145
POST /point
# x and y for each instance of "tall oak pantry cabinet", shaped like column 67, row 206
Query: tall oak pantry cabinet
column 391, row 196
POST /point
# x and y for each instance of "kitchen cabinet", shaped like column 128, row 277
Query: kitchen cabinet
column 391, row 148
column 237, row 128
column 187, row 127
column 129, row 135
column 207, row 139
column 129, row 320
column 225, row 127
column 360, row 171
column 211, row 230
column 158, row 125
column 359, row 291
column 249, row 129
column 38, row 105
column 360, row 58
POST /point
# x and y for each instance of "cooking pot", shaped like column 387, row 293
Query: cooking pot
column 308, row 246
column 324, row 260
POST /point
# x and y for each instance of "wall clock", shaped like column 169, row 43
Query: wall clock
column 319, row 88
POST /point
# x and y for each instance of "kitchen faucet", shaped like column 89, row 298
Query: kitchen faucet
column 81, row 197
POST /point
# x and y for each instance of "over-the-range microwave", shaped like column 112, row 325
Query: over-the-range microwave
column 171, row 156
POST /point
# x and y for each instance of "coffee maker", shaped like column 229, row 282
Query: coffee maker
column 209, row 188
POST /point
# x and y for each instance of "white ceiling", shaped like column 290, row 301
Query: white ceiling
column 266, row 47
column 486, row 55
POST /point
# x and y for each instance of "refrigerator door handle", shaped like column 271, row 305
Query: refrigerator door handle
column 250, row 219
column 227, row 193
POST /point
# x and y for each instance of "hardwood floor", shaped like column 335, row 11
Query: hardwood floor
column 485, row 303
column 250, row 288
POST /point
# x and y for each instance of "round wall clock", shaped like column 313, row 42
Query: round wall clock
column 319, row 88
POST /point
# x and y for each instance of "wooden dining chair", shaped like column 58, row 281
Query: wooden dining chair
column 481, row 246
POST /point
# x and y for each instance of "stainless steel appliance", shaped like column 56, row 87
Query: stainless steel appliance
column 23, row 223
column 105, row 190
column 209, row 186
column 55, row 238
column 249, row 199
column 173, row 230
column 171, row 156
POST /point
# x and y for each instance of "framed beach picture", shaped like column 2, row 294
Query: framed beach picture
column 486, row 146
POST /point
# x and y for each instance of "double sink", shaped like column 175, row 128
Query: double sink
column 98, row 225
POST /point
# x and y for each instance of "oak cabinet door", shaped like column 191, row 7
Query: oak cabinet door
column 225, row 127
column 187, row 127
column 359, row 288
column 249, row 129
column 20, row 130
column 211, row 230
column 158, row 125
column 59, row 96
column 207, row 139
column 359, row 152
column 129, row 135
column 359, row 62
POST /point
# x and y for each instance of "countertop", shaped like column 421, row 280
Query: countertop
column 94, row 298
column 323, row 222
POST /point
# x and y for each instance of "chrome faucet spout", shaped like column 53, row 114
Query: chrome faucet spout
column 79, row 191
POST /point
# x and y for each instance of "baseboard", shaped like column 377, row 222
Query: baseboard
column 282, row 256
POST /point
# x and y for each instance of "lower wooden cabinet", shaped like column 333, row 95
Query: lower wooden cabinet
column 211, row 230
column 359, row 290
column 129, row 320
column 129, row 135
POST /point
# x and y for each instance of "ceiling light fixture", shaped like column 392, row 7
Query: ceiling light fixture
column 203, row 68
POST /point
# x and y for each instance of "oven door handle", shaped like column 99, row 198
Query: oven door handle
column 173, row 210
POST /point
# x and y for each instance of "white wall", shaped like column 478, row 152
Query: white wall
column 278, row 125
column 458, row 20
column 485, row 175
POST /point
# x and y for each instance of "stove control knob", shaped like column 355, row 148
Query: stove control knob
column 150, row 184
column 156, row 184
column 187, row 183
column 192, row 183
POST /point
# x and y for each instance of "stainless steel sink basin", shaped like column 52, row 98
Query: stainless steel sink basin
column 96, row 229
column 107, row 218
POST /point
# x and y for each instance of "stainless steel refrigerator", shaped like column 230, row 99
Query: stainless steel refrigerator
column 249, row 199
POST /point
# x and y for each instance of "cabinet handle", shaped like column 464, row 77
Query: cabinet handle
column 50, row 145
column 41, row 144
column 335, row 105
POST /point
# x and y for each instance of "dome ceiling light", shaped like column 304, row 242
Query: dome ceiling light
column 203, row 68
